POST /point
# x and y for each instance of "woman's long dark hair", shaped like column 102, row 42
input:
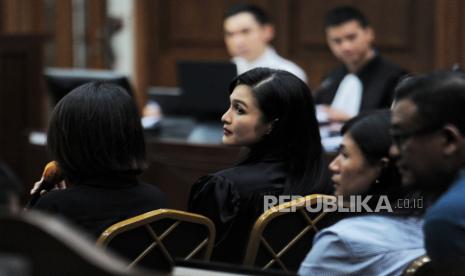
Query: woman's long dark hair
column 286, row 102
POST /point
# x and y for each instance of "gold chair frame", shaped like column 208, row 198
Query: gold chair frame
column 415, row 265
column 144, row 220
column 256, row 236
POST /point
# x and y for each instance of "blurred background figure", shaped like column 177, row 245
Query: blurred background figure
column 365, row 81
column 248, row 32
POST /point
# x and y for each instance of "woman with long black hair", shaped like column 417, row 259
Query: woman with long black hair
column 272, row 114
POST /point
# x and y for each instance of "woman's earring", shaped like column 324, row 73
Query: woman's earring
column 273, row 123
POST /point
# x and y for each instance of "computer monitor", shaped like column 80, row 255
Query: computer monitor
column 204, row 86
column 61, row 81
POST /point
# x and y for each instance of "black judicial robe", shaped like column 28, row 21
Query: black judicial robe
column 379, row 79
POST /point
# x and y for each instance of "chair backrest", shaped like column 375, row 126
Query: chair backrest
column 155, row 239
column 50, row 247
column 418, row 267
column 283, row 235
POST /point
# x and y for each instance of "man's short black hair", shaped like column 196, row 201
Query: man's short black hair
column 344, row 14
column 258, row 13
column 438, row 96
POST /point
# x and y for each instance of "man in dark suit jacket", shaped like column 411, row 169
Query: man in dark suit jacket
column 366, row 80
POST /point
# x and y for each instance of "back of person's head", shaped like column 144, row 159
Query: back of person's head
column 95, row 131
column 344, row 14
column 370, row 131
column 10, row 190
column 286, row 102
column 438, row 96
column 258, row 13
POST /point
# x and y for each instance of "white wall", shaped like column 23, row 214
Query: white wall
column 123, row 41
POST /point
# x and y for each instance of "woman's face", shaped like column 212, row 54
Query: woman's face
column 243, row 121
column 352, row 174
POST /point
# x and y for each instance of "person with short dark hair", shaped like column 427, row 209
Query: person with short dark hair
column 428, row 128
column 381, row 242
column 96, row 137
column 366, row 81
column 272, row 114
column 248, row 31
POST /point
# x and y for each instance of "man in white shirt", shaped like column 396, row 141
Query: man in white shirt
column 247, row 33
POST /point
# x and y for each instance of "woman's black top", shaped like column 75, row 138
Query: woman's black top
column 233, row 199
column 95, row 204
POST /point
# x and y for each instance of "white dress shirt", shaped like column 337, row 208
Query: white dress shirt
column 270, row 59
column 349, row 95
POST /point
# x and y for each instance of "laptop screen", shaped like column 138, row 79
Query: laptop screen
column 204, row 86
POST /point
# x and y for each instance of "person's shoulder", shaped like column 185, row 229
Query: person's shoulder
column 217, row 183
column 231, row 174
column 255, row 172
column 335, row 75
column 372, row 228
column 62, row 194
column 391, row 67
column 289, row 65
column 151, row 195
column 222, row 176
column 279, row 62
column 151, row 189
column 449, row 206
column 56, row 198
column 243, row 178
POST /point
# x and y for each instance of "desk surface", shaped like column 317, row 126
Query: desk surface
column 188, row 130
column 191, row 131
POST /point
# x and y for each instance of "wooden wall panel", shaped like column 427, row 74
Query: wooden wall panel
column 22, row 104
column 188, row 25
column 403, row 33
column 21, row 16
column 192, row 29
column 181, row 31
column 450, row 33
column 62, row 39
column 178, row 29
column 389, row 18
column 96, row 34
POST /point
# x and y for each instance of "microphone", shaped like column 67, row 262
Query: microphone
column 51, row 176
